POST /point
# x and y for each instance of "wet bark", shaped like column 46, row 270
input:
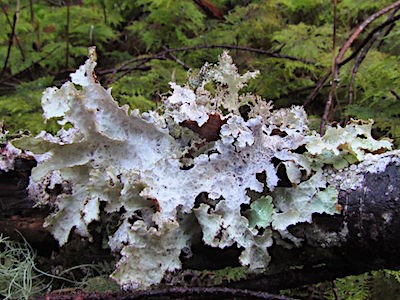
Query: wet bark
column 365, row 236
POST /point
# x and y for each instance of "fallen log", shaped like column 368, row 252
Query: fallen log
column 364, row 236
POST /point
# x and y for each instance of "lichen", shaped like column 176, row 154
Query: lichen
column 152, row 168
column 352, row 176
column 8, row 153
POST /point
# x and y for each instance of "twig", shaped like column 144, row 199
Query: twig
column 362, row 26
column 334, row 80
column 178, row 292
column 318, row 87
column 167, row 52
column 342, row 51
column 393, row 92
column 103, row 6
column 357, row 65
column 32, row 13
column 3, row 80
column 335, row 290
column 183, row 64
column 10, row 41
column 67, row 35
column 141, row 66
column 321, row 82
column 388, row 30
column 126, row 70
column 11, row 26
column 364, row 53
column 35, row 26
column 390, row 21
column 241, row 48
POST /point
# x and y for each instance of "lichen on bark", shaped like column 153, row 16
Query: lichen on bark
column 152, row 168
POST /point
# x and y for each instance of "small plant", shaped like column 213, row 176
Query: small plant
column 19, row 278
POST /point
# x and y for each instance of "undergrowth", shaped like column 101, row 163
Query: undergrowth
column 374, row 285
column 20, row 278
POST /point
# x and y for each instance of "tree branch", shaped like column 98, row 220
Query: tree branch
column 334, row 82
column 11, row 38
column 241, row 48
column 363, row 237
column 389, row 22
column 68, row 4
column 371, row 40
column 4, row 80
column 317, row 88
column 393, row 92
column 167, row 54
column 339, row 57
column 183, row 64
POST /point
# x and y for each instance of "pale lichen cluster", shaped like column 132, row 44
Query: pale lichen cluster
column 170, row 184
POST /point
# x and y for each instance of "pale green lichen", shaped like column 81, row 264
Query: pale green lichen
column 147, row 168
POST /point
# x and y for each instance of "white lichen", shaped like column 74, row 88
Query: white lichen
column 132, row 163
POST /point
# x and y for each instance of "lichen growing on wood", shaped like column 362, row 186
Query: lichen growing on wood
column 260, row 171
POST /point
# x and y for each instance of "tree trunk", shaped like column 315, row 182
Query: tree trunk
column 365, row 236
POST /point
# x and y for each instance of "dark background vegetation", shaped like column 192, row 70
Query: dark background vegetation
column 144, row 44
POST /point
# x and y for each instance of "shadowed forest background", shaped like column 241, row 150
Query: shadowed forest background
column 145, row 44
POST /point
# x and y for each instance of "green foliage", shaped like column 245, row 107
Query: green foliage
column 22, row 109
column 225, row 275
column 43, row 47
column 99, row 284
column 167, row 23
column 138, row 90
column 377, row 87
column 375, row 285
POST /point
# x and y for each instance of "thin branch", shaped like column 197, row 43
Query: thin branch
column 3, row 80
column 393, row 92
column 32, row 13
column 335, row 290
column 126, row 70
column 174, row 58
column 390, row 22
column 104, row 8
column 67, row 35
column 362, row 26
column 334, row 80
column 141, row 66
column 11, row 26
column 388, row 30
column 241, row 48
column 11, row 38
column 35, row 26
column 342, row 51
column 321, row 82
column 179, row 292
column 167, row 52
column 318, row 87
column 364, row 53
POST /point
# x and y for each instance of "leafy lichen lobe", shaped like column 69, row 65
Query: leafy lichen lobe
column 153, row 168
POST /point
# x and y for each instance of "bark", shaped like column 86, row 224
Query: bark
column 365, row 236
column 371, row 240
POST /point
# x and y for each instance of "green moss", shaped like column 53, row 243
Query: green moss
column 100, row 284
